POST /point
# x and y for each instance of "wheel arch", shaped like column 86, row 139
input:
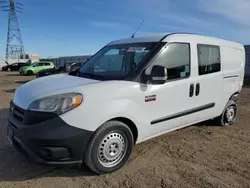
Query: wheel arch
column 234, row 95
column 130, row 124
column 227, row 99
column 29, row 70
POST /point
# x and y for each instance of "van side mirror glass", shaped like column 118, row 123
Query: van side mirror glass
column 158, row 74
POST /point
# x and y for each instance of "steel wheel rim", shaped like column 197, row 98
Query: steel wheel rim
column 112, row 149
column 230, row 114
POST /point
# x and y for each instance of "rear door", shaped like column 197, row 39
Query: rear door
column 208, row 80
column 47, row 65
column 37, row 67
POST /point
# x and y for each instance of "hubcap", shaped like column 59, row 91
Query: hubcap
column 230, row 113
column 112, row 149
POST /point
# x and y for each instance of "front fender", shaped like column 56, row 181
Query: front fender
column 91, row 118
column 26, row 70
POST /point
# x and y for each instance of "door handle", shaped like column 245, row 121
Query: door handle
column 191, row 90
column 197, row 90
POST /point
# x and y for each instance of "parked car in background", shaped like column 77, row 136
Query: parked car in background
column 14, row 66
column 75, row 66
column 55, row 70
column 46, row 72
column 36, row 67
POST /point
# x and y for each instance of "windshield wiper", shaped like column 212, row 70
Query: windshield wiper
column 91, row 75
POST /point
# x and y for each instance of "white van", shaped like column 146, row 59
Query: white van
column 130, row 91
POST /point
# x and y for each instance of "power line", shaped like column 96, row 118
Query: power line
column 14, row 46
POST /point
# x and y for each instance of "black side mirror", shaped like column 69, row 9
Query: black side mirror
column 159, row 74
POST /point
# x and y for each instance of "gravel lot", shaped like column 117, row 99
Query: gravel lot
column 202, row 155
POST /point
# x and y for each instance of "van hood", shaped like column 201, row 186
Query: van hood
column 46, row 86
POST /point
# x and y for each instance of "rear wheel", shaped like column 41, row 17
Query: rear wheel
column 29, row 72
column 109, row 148
column 9, row 69
column 229, row 115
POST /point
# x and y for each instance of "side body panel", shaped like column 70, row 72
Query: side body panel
column 233, row 72
column 103, row 101
column 108, row 100
column 36, row 69
column 127, row 99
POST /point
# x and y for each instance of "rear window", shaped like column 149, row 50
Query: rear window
column 209, row 59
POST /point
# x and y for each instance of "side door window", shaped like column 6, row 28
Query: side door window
column 46, row 64
column 38, row 65
column 176, row 58
column 209, row 59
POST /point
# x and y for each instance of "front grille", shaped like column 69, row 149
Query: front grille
column 27, row 117
column 12, row 125
column 18, row 113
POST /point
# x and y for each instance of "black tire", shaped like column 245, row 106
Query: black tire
column 29, row 72
column 9, row 69
column 223, row 119
column 96, row 146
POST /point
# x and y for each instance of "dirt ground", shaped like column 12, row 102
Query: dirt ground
column 202, row 155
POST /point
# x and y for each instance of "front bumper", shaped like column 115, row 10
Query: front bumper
column 48, row 142
column 21, row 72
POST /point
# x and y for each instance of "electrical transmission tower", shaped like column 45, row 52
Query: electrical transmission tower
column 14, row 47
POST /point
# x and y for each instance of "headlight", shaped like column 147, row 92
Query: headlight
column 58, row 104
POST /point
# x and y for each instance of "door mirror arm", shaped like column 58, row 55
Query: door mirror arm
column 144, row 78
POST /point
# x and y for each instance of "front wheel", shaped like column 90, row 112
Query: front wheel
column 229, row 115
column 29, row 72
column 109, row 148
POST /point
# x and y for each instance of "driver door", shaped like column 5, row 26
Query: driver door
column 169, row 106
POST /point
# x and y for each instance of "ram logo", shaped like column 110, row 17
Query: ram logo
column 150, row 98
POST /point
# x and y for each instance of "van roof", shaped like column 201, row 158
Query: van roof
column 164, row 37
column 144, row 38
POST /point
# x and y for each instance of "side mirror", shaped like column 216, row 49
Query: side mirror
column 158, row 74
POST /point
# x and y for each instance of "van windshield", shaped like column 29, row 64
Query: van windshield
column 116, row 61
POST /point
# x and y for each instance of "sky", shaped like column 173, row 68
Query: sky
column 53, row 28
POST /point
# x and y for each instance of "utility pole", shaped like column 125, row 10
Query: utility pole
column 14, row 46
